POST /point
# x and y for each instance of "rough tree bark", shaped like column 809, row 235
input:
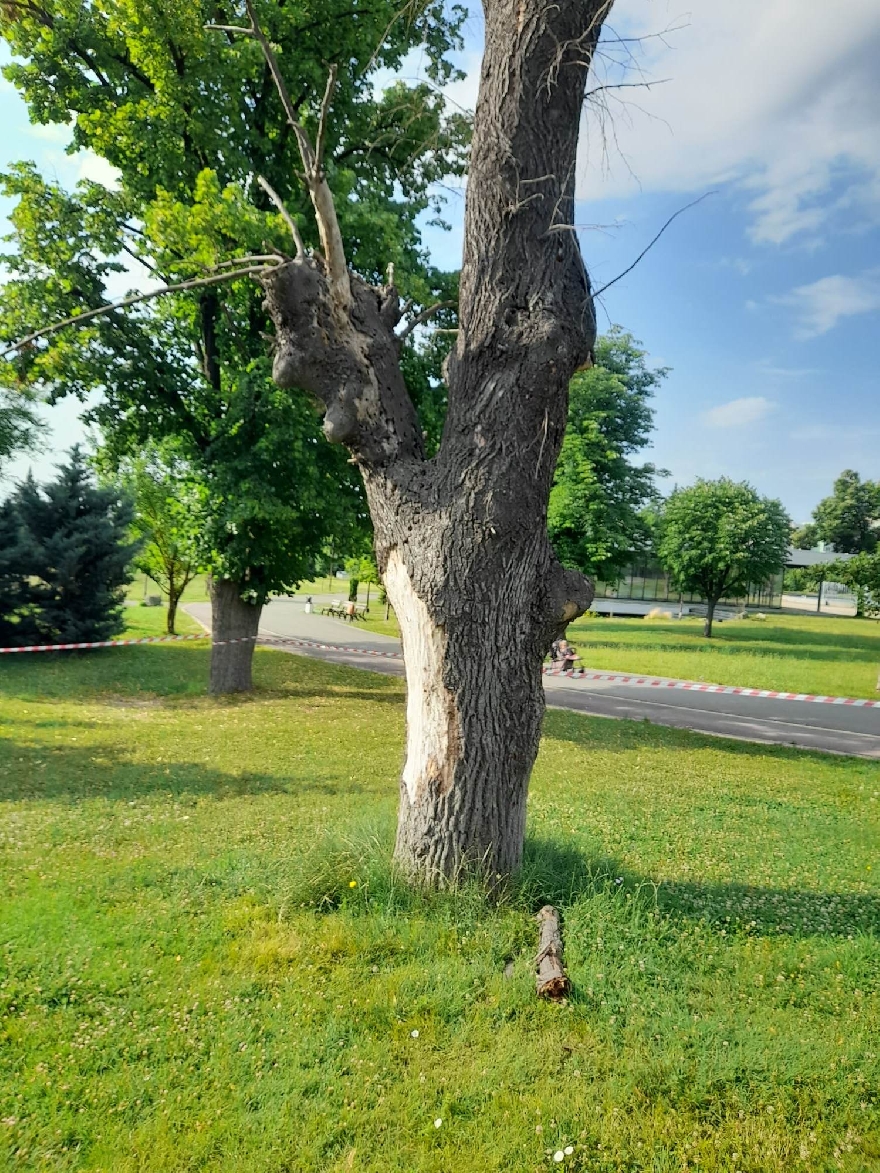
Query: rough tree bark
column 171, row 613
column 461, row 539
column 232, row 619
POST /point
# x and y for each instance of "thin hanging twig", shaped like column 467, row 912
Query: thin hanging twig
column 648, row 247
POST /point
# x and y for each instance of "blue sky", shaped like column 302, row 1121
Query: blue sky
column 764, row 299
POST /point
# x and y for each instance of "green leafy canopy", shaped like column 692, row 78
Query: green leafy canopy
column 595, row 516
column 720, row 537
column 190, row 118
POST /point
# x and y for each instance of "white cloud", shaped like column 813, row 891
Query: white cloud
column 775, row 95
column 739, row 412
column 820, row 305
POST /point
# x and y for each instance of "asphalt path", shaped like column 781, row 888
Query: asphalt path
column 839, row 729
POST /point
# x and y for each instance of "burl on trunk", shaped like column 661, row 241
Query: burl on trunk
column 461, row 538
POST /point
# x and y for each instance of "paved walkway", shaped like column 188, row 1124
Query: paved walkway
column 830, row 728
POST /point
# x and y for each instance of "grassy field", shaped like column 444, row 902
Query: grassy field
column 139, row 588
column 144, row 621
column 207, row 964
column 793, row 653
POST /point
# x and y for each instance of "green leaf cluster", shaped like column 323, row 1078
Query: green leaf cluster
column 718, row 538
column 848, row 520
column 190, row 118
column 596, row 515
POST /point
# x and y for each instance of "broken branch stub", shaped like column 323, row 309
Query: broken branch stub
column 551, row 978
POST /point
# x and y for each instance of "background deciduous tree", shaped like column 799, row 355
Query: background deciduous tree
column 595, row 518
column 194, row 124
column 848, row 520
column 166, row 522
column 718, row 538
column 862, row 575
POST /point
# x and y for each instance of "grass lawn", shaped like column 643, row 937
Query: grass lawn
column 196, row 591
column 207, row 964
column 144, row 621
column 791, row 653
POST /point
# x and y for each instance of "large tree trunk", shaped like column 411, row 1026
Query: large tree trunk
column 710, row 618
column 234, row 626
column 461, row 540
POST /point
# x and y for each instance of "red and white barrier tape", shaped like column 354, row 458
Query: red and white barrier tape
column 121, row 643
column 573, row 674
column 723, row 689
column 310, row 643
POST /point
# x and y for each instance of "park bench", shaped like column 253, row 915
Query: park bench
column 345, row 610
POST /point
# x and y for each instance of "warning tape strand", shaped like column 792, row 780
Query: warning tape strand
column 122, row 643
column 719, row 689
column 571, row 673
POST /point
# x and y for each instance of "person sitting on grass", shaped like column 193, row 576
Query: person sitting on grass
column 564, row 654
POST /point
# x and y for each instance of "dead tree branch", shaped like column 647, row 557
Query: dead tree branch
column 650, row 245
column 627, row 85
column 550, row 977
column 321, row 140
column 285, row 215
column 319, row 190
column 125, row 302
column 423, row 317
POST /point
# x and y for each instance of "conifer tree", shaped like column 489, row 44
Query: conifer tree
column 74, row 550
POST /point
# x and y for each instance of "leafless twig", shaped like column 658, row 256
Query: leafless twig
column 285, row 215
column 651, row 244
column 423, row 317
column 321, row 140
column 319, row 190
column 125, row 302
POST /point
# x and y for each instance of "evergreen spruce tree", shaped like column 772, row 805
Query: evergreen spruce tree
column 75, row 550
column 16, row 590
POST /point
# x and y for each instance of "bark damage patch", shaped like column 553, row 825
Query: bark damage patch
column 433, row 729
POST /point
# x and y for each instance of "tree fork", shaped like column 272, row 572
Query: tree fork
column 461, row 540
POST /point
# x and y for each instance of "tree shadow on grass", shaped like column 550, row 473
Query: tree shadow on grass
column 44, row 773
column 560, row 874
column 168, row 676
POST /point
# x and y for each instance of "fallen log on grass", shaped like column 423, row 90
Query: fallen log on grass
column 551, row 978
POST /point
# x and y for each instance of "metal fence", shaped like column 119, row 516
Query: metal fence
column 649, row 582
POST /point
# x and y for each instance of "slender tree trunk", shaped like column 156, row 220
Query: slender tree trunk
column 710, row 615
column 171, row 612
column 234, row 626
column 461, row 540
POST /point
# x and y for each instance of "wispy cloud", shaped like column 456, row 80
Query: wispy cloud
column 820, row 305
column 739, row 413
column 797, row 131
column 766, row 368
